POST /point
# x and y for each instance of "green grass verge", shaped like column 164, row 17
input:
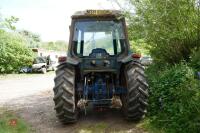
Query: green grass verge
column 10, row 123
column 149, row 127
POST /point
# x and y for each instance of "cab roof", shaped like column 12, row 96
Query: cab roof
column 98, row 14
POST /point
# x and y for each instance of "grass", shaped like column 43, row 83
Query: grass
column 21, row 75
column 10, row 123
column 93, row 128
column 102, row 127
column 147, row 126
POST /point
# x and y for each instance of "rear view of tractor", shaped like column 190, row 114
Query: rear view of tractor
column 99, row 69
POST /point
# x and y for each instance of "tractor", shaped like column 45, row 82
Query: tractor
column 99, row 70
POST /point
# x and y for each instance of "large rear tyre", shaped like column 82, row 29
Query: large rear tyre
column 136, row 100
column 64, row 94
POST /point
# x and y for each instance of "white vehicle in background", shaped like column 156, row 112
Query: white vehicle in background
column 44, row 64
column 39, row 65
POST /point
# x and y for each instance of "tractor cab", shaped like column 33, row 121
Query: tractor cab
column 99, row 43
column 99, row 35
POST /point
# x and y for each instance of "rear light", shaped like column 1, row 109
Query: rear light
column 136, row 56
column 62, row 59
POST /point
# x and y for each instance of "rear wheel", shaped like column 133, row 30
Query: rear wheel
column 136, row 100
column 64, row 94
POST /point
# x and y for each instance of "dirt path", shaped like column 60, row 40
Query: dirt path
column 37, row 110
column 24, row 86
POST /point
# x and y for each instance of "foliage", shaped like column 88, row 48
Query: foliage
column 15, row 47
column 58, row 45
column 139, row 46
column 14, row 52
column 33, row 39
column 8, row 23
column 175, row 96
column 170, row 27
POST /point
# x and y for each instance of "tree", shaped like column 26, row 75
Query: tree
column 14, row 52
column 58, row 45
column 170, row 27
column 8, row 23
column 33, row 40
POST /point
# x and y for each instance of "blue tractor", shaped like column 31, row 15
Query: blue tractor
column 99, row 69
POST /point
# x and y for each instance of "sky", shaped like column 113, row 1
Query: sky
column 49, row 18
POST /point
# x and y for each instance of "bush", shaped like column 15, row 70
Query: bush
column 169, row 27
column 14, row 52
column 174, row 100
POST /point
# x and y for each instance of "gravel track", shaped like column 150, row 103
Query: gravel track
column 32, row 99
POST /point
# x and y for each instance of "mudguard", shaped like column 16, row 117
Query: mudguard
column 72, row 61
column 128, row 59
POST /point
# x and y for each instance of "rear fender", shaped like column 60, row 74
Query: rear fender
column 128, row 59
column 72, row 61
